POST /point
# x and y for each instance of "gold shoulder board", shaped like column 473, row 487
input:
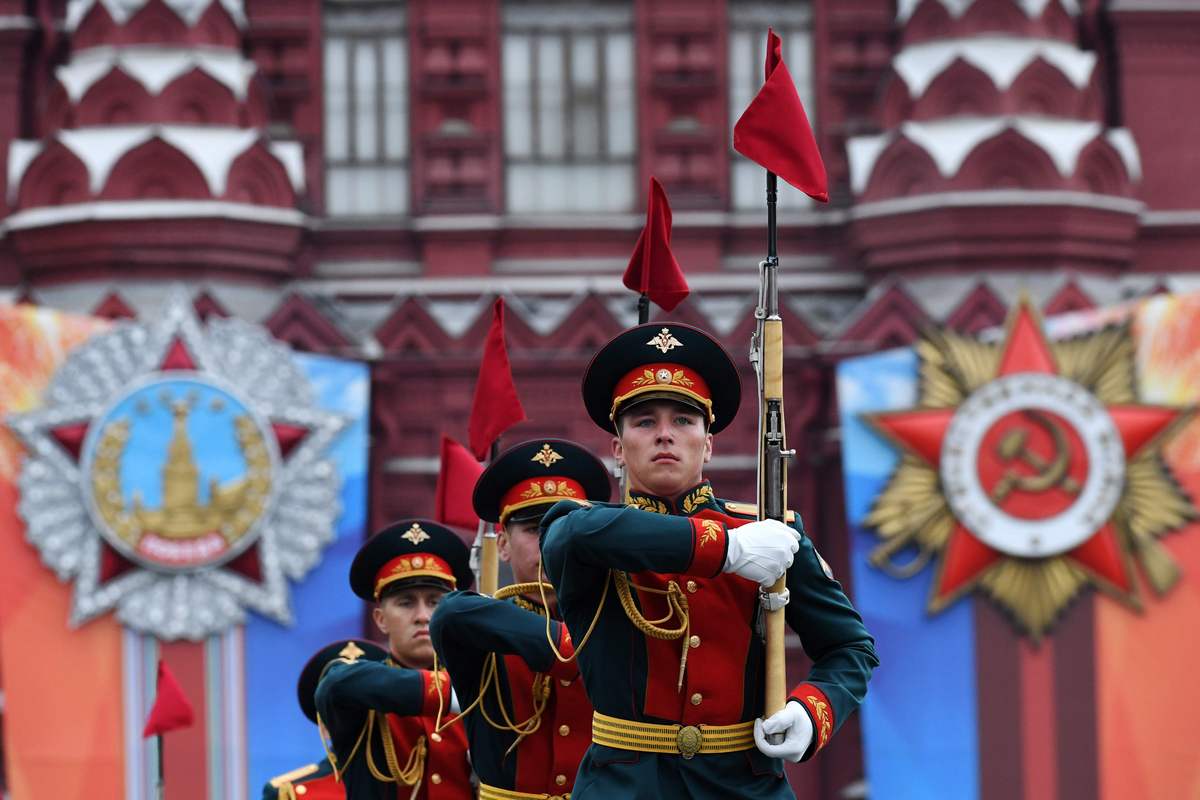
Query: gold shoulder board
column 294, row 775
column 751, row 510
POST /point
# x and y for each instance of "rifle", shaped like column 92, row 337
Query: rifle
column 488, row 576
column 766, row 354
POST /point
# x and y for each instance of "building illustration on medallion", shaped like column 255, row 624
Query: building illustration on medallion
column 1030, row 471
column 176, row 475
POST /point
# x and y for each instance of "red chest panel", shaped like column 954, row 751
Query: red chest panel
column 552, row 753
column 447, row 771
column 721, row 611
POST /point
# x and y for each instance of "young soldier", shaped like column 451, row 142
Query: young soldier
column 671, row 583
column 534, row 722
column 382, row 717
column 318, row 781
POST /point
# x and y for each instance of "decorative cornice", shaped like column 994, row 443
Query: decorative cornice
column 155, row 67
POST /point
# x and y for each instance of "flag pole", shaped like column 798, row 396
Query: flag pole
column 643, row 308
column 161, row 781
column 489, row 558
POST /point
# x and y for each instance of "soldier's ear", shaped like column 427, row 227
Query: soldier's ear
column 377, row 615
column 618, row 452
column 708, row 441
column 502, row 543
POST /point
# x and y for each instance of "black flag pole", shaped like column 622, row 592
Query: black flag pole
column 643, row 307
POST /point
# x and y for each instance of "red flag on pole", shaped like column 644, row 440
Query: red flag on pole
column 653, row 270
column 456, row 482
column 171, row 710
column 496, row 406
column 774, row 131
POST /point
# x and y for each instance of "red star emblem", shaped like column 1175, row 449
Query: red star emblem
column 1031, row 465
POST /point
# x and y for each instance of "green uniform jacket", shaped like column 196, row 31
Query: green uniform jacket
column 635, row 677
column 466, row 629
column 362, row 702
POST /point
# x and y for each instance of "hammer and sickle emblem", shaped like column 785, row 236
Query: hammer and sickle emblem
column 1051, row 473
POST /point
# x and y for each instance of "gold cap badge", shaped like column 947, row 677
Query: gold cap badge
column 664, row 341
column 546, row 456
column 416, row 534
column 352, row 652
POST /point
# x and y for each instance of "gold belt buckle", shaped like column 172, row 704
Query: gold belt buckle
column 688, row 741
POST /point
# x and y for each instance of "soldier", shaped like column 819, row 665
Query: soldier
column 532, row 721
column 318, row 781
column 670, row 583
column 382, row 717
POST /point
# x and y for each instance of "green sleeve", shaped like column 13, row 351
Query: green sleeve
column 602, row 536
column 467, row 626
column 834, row 637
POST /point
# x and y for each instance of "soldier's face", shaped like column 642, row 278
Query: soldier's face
column 403, row 617
column 664, row 447
column 518, row 545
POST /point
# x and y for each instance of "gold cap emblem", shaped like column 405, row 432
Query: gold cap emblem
column 416, row 534
column 546, row 456
column 664, row 341
column 351, row 652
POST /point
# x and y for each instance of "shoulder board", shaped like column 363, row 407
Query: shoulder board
column 293, row 776
column 751, row 510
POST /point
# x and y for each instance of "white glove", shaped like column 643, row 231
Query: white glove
column 797, row 729
column 761, row 551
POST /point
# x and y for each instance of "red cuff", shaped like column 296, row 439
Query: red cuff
column 432, row 680
column 566, row 648
column 709, row 540
column 820, row 710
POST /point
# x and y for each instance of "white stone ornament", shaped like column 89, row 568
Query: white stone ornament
column 177, row 508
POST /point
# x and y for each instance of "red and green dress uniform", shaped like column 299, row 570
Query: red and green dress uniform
column 318, row 781
column 467, row 629
column 631, row 676
column 382, row 718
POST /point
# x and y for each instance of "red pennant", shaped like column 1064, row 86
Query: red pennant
column 456, row 482
column 653, row 270
column 496, row 406
column 171, row 710
column 774, row 132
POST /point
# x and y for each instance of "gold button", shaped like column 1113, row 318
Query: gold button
column 435, row 736
column 691, row 586
column 563, row 730
column 435, row 778
column 564, row 681
column 694, row 641
column 561, row 780
column 301, row 789
column 697, row 698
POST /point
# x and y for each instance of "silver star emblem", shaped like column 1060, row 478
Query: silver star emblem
column 183, row 529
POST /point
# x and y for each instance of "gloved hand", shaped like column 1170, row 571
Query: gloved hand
column 797, row 729
column 761, row 551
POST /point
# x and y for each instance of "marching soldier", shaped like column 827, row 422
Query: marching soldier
column 318, row 781
column 382, row 717
column 671, row 584
column 527, row 715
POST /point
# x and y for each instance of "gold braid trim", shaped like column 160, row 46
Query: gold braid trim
column 591, row 626
column 333, row 761
column 413, row 770
column 287, row 792
column 514, row 589
column 677, row 608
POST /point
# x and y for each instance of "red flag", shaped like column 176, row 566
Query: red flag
column 774, row 131
column 496, row 406
column 171, row 707
column 456, row 482
column 653, row 270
